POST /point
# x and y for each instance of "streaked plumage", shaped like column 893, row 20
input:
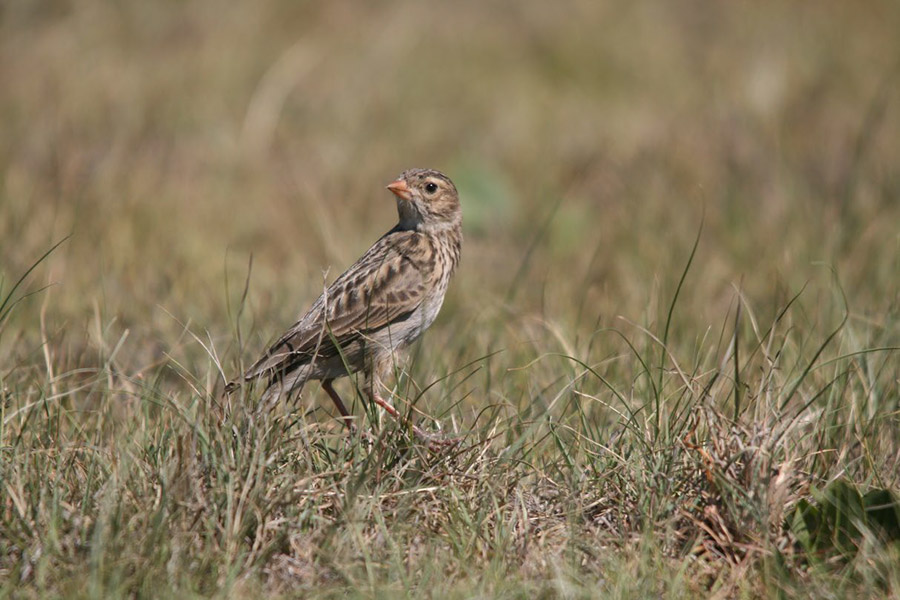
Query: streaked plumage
column 384, row 301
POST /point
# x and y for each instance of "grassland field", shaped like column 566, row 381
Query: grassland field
column 672, row 348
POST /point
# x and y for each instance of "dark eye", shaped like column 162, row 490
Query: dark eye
column 430, row 187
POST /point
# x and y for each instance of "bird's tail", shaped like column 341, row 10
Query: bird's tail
column 277, row 388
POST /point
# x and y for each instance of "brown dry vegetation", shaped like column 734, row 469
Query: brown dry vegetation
column 617, row 443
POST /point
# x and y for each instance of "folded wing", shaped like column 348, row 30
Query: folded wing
column 383, row 287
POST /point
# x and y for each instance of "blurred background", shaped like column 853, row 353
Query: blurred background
column 173, row 140
column 593, row 143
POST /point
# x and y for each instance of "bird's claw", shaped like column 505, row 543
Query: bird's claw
column 435, row 442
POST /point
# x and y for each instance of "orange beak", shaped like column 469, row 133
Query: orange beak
column 400, row 189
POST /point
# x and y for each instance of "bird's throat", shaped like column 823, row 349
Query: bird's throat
column 409, row 216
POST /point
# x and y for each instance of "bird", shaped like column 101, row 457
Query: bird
column 380, row 304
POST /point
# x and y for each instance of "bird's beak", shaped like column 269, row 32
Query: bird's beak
column 400, row 189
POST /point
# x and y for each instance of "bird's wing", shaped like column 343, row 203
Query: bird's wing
column 383, row 286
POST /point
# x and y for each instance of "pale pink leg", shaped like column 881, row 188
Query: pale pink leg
column 373, row 381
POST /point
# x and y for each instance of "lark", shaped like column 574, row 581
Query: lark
column 382, row 303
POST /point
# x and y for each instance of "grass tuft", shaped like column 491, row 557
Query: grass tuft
column 647, row 408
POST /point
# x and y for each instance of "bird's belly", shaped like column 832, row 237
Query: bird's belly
column 429, row 312
column 402, row 333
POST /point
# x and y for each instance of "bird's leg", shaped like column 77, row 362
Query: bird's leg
column 345, row 414
column 434, row 441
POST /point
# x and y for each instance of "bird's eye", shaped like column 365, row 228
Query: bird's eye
column 430, row 187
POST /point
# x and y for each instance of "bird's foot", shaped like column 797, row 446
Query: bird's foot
column 434, row 441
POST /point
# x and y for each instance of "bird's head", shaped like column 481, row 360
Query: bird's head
column 426, row 200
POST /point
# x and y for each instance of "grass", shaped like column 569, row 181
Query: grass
column 671, row 348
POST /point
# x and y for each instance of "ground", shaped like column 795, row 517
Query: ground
column 670, row 350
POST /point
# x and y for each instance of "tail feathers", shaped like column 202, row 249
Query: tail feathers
column 236, row 384
column 278, row 384
column 272, row 393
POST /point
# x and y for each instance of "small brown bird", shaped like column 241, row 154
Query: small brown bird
column 383, row 302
